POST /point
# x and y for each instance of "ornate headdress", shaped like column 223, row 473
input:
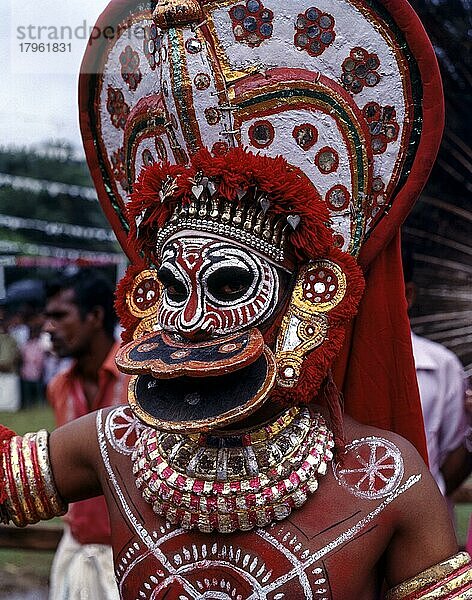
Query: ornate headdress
column 188, row 107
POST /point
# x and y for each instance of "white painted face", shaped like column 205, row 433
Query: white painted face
column 213, row 287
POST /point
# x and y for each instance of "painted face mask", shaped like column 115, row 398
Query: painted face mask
column 215, row 295
column 213, row 288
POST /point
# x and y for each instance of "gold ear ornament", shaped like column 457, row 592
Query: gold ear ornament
column 320, row 286
column 142, row 300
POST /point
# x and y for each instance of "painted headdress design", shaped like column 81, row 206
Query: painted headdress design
column 188, row 105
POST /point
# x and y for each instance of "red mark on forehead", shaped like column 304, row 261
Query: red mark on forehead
column 191, row 253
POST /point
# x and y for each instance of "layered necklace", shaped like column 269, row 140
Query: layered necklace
column 228, row 482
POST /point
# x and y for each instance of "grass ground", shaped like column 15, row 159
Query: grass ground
column 30, row 419
column 463, row 513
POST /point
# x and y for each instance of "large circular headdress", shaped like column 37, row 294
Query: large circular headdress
column 347, row 91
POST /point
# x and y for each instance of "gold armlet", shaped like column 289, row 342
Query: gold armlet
column 29, row 491
column 449, row 579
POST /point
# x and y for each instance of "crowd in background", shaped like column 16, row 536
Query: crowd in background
column 27, row 362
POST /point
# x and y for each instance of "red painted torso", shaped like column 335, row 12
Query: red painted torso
column 328, row 549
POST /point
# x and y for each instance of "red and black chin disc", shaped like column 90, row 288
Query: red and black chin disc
column 164, row 357
column 194, row 404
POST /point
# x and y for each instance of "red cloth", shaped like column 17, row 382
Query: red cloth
column 378, row 377
column 88, row 519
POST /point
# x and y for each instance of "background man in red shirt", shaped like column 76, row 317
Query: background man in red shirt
column 81, row 320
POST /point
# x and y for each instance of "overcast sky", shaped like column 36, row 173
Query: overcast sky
column 38, row 95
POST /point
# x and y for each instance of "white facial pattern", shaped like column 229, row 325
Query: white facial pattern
column 214, row 287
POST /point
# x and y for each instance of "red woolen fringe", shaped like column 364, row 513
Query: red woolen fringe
column 146, row 205
column 5, row 436
column 355, row 285
column 288, row 188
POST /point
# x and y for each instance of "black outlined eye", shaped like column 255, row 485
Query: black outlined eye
column 229, row 283
column 175, row 289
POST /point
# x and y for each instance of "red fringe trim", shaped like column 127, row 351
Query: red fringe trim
column 289, row 189
column 146, row 198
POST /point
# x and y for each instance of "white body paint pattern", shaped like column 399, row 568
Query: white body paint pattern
column 123, row 429
column 372, row 468
column 267, row 564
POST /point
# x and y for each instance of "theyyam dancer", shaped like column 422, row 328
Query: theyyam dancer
column 256, row 160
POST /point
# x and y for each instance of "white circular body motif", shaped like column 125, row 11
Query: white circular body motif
column 123, row 429
column 372, row 468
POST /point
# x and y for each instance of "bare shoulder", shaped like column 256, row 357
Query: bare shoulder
column 80, row 435
column 393, row 465
column 422, row 531
column 77, row 434
column 356, row 432
column 379, row 465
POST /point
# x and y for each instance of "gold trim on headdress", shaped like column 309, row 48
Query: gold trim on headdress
column 176, row 13
column 245, row 222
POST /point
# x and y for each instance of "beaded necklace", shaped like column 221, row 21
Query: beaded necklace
column 236, row 481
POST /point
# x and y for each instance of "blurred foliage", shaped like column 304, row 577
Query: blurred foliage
column 55, row 164
column 61, row 208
